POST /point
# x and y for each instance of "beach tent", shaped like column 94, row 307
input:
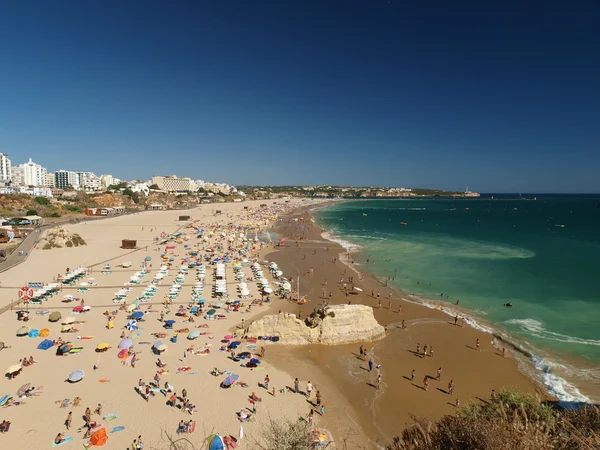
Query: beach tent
column 126, row 343
column 23, row 331
column 54, row 317
column 45, row 344
column 215, row 442
column 99, row 438
column 76, row 376
column 44, row 332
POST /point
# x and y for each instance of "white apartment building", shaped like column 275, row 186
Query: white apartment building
column 91, row 184
column 108, row 180
column 32, row 174
column 174, row 184
column 5, row 168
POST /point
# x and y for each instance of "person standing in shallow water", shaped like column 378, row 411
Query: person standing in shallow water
column 370, row 364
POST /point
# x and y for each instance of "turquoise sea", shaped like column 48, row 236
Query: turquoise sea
column 540, row 252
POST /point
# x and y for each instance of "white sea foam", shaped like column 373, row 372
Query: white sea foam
column 346, row 244
column 536, row 328
column 556, row 385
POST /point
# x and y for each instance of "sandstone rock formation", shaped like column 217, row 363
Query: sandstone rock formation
column 58, row 237
column 340, row 324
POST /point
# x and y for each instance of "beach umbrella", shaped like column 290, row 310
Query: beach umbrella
column 235, row 344
column 231, row 378
column 4, row 399
column 102, row 347
column 228, row 337
column 211, row 312
column 34, row 333
column 194, row 334
column 23, row 389
column 161, row 348
column 23, row 331
column 76, row 376
column 15, row 368
column 99, row 438
column 66, row 328
column 78, row 308
column 157, row 343
column 123, row 353
column 45, row 344
column 68, row 320
column 255, row 361
column 169, row 322
column 137, row 315
column 126, row 343
column 44, row 332
column 215, row 442
column 148, row 258
column 131, row 307
column 54, row 316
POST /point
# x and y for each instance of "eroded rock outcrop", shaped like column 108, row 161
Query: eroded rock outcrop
column 58, row 237
column 340, row 324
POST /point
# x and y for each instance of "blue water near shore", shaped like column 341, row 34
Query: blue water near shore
column 538, row 252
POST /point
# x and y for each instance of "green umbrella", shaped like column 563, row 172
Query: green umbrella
column 211, row 312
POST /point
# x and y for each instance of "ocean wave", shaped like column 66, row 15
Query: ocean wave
column 536, row 328
column 556, row 385
column 461, row 248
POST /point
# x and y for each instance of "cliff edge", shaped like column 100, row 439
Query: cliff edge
column 339, row 324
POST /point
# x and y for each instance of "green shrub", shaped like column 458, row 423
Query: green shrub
column 55, row 214
column 42, row 201
column 73, row 208
column 32, row 212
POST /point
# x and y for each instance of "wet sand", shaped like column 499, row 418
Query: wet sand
column 355, row 409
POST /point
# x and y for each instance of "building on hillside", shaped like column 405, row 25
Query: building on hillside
column 104, row 211
column 108, row 180
column 32, row 174
column 64, row 178
column 5, row 168
column 137, row 186
column 174, row 184
column 51, row 180
column 90, row 182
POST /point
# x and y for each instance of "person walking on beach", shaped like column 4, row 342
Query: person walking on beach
column 403, row 325
column 412, row 375
column 425, row 382
column 68, row 421
column 309, row 388
column 456, row 320
column 439, row 374
column 425, row 351
column 370, row 364
column 418, row 348
column 378, row 381
column 267, row 382
column 450, row 387
column 431, row 351
column 296, row 385
column 478, row 345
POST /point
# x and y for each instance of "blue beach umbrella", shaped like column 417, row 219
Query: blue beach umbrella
column 169, row 322
column 255, row 361
column 137, row 315
column 34, row 333
column 45, row 344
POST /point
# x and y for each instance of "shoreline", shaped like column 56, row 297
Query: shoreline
column 535, row 363
column 375, row 412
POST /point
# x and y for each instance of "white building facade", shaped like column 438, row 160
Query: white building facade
column 31, row 174
column 174, row 184
column 5, row 168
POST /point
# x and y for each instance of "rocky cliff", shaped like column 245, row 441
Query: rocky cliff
column 341, row 324
column 58, row 237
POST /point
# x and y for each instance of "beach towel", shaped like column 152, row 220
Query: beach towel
column 119, row 428
column 67, row 439
column 110, row 417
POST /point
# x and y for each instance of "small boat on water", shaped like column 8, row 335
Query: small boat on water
column 403, row 223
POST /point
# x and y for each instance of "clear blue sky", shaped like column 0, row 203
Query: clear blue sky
column 503, row 96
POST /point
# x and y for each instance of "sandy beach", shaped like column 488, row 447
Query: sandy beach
column 357, row 414
column 110, row 381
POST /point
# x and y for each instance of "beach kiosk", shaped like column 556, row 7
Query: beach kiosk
column 129, row 244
